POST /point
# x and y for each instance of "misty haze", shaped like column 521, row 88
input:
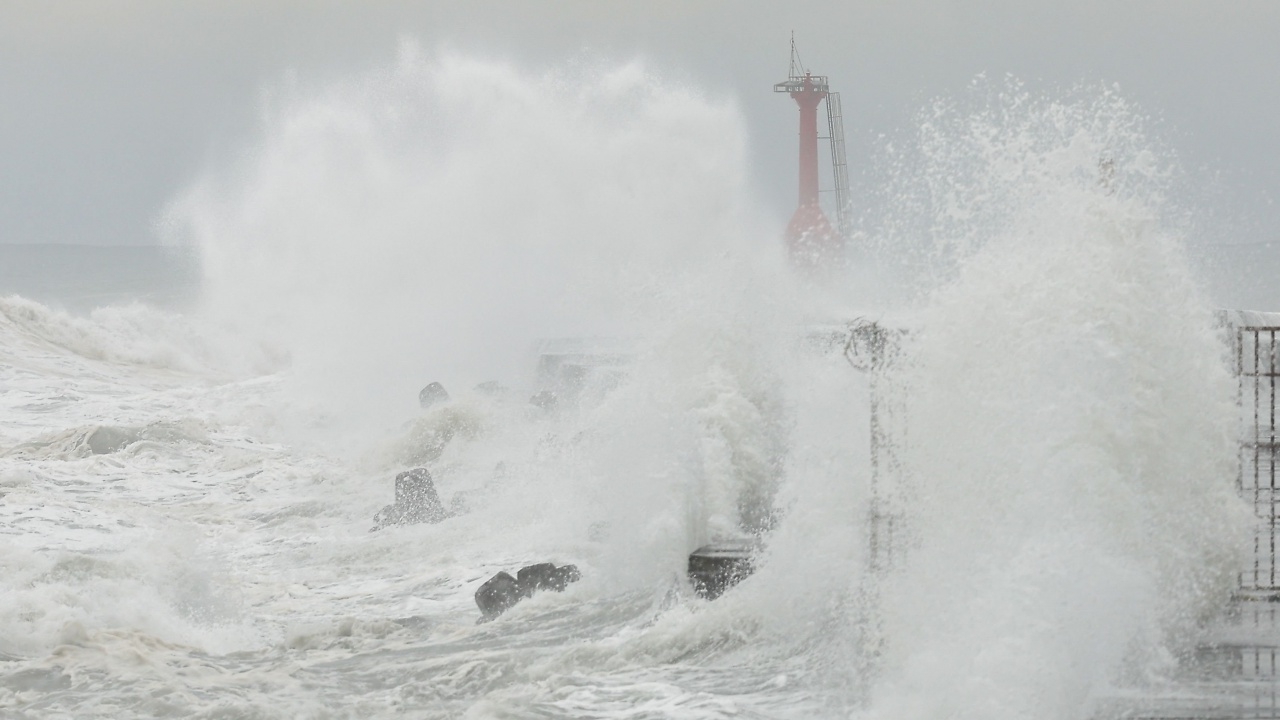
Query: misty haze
column 590, row 359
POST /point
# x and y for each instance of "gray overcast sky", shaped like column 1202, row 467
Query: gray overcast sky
column 111, row 106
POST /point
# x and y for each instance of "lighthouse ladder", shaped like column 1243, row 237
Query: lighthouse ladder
column 835, row 131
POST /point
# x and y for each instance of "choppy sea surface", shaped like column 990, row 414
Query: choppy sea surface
column 218, row 561
column 218, row 564
column 193, row 446
column 80, row 278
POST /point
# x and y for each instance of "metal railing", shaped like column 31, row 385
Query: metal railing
column 1257, row 370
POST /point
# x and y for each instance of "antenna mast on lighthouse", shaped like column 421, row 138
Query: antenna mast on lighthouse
column 812, row 243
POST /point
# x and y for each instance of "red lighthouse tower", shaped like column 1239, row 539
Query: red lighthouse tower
column 812, row 243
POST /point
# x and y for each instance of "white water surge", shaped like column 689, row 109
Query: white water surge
column 1066, row 465
column 1067, row 474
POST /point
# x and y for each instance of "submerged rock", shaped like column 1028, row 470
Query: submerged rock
column 107, row 439
column 416, row 501
column 432, row 394
column 500, row 592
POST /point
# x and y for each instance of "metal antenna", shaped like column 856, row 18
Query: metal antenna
column 796, row 63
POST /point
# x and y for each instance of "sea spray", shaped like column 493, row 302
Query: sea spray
column 132, row 334
column 1070, row 454
column 1067, row 454
column 430, row 220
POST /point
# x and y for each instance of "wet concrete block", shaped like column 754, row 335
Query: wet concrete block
column 546, row 576
column 715, row 568
column 497, row 595
column 416, row 492
column 416, row 501
column 502, row 591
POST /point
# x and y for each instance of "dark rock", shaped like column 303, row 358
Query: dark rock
column 532, row 577
column 502, row 591
column 497, row 595
column 717, row 567
column 545, row 576
column 565, row 574
column 432, row 394
column 416, row 501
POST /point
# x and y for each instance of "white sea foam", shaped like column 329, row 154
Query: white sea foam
column 132, row 334
column 431, row 220
column 1067, row 475
column 1065, row 466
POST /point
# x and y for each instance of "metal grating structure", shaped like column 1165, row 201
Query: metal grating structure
column 839, row 165
column 1259, row 661
column 1257, row 370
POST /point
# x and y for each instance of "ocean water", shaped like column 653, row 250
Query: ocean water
column 79, row 278
column 1060, row 410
